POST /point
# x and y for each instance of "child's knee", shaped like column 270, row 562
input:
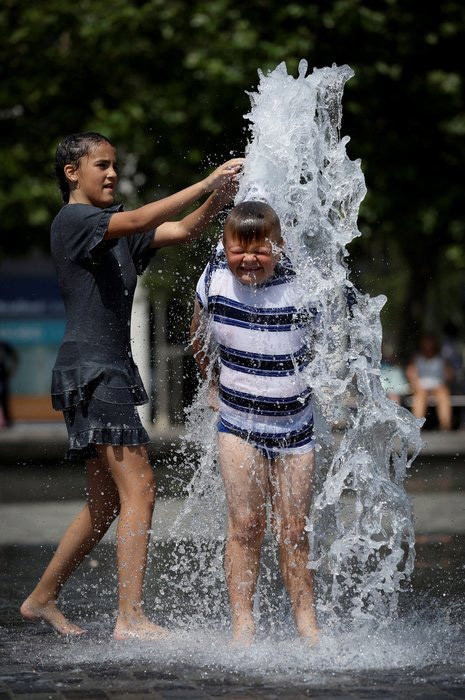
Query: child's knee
column 247, row 529
column 292, row 532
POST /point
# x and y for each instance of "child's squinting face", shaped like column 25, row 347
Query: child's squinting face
column 96, row 177
column 253, row 262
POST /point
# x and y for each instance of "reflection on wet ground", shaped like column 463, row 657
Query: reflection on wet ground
column 419, row 655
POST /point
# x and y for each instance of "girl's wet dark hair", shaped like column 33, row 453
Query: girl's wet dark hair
column 253, row 221
column 69, row 152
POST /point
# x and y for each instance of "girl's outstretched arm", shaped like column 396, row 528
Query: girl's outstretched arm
column 192, row 225
column 151, row 215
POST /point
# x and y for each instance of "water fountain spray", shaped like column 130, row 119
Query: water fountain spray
column 361, row 520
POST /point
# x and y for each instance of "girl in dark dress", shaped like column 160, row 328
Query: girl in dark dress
column 98, row 251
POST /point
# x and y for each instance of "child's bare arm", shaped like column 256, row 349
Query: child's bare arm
column 200, row 356
column 156, row 213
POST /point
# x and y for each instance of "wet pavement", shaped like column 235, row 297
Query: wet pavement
column 419, row 655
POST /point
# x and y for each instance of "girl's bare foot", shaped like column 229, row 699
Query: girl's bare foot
column 138, row 627
column 34, row 611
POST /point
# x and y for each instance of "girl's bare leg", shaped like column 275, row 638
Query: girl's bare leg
column 291, row 493
column 133, row 476
column 81, row 536
column 245, row 476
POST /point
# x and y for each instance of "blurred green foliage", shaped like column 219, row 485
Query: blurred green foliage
column 166, row 82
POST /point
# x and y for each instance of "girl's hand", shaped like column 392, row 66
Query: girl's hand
column 226, row 193
column 223, row 175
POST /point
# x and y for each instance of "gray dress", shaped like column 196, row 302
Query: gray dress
column 95, row 381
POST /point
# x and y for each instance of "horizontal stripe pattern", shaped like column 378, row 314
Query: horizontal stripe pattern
column 282, row 319
column 264, row 405
column 272, row 365
column 264, row 335
column 288, row 440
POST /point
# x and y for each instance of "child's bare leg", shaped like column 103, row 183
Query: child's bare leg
column 443, row 407
column 291, row 490
column 133, row 476
column 245, row 476
column 85, row 531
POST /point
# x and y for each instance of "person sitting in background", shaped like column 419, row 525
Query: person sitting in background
column 429, row 374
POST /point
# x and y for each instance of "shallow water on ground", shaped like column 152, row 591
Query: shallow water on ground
column 423, row 646
column 419, row 655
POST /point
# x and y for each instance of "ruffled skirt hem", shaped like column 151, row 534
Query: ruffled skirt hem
column 82, row 445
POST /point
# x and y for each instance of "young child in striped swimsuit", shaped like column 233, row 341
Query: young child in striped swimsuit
column 248, row 301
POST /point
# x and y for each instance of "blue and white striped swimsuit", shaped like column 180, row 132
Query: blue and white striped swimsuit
column 263, row 335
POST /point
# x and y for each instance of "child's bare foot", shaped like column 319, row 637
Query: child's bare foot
column 312, row 636
column 307, row 626
column 243, row 633
column 34, row 611
column 138, row 627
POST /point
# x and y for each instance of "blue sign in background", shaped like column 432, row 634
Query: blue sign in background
column 32, row 320
column 32, row 331
column 36, row 342
column 30, row 297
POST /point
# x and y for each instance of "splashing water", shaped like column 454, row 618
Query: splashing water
column 361, row 522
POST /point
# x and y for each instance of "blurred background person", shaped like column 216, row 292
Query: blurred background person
column 429, row 375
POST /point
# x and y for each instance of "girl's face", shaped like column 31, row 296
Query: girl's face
column 254, row 262
column 94, row 180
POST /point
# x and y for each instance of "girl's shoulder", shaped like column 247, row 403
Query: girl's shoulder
column 77, row 233
column 82, row 212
